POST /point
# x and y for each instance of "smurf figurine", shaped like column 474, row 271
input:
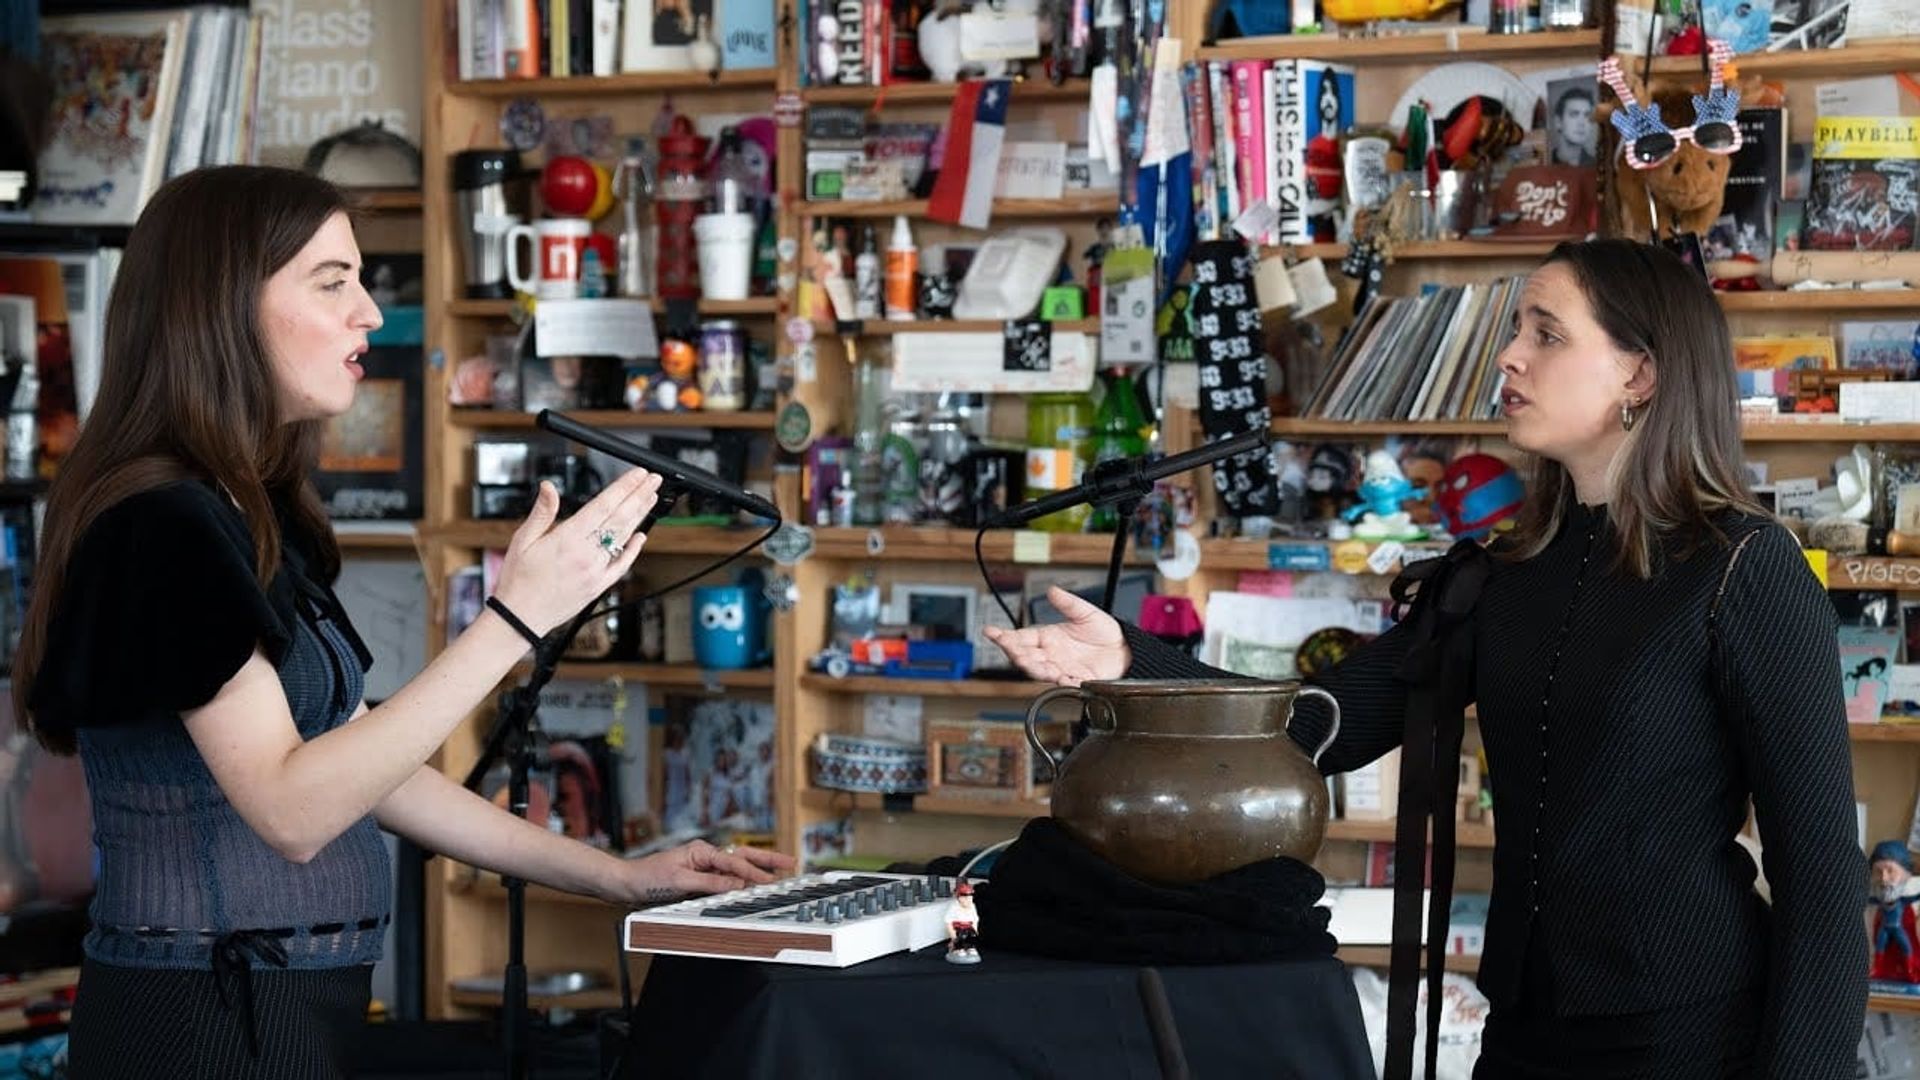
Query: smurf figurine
column 1892, row 890
column 1382, row 489
column 963, row 927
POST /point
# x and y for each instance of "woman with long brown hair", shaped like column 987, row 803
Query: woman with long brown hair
column 185, row 640
column 1626, row 733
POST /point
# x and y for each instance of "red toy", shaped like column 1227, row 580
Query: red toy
column 1477, row 492
column 569, row 186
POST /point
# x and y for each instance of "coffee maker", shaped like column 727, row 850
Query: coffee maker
column 482, row 216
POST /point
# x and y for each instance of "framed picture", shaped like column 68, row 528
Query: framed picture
column 946, row 612
column 658, row 32
column 372, row 463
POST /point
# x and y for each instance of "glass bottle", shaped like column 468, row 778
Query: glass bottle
column 869, row 441
column 1059, row 449
column 1118, row 428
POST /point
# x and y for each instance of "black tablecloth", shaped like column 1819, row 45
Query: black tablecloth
column 917, row 1017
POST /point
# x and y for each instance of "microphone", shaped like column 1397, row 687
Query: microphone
column 672, row 473
column 1112, row 481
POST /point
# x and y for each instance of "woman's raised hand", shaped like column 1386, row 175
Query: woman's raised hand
column 1088, row 645
column 555, row 568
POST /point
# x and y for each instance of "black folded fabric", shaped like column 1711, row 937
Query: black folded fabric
column 1051, row 895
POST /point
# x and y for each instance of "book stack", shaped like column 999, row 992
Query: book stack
column 1267, row 133
column 1426, row 357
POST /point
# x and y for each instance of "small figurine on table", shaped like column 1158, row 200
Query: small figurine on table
column 1893, row 890
column 1382, row 489
column 963, row 927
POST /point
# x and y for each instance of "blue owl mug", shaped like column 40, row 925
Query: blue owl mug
column 730, row 625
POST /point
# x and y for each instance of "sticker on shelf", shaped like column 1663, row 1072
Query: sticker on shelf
column 806, row 366
column 790, row 544
column 799, row 330
column 523, row 124
column 1183, row 561
column 781, row 591
column 794, row 430
column 1384, row 555
column 788, row 108
column 785, row 280
column 876, row 543
column 787, row 248
column 1301, row 557
column 1350, row 556
column 1032, row 546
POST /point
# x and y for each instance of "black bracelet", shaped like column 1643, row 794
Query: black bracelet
column 513, row 620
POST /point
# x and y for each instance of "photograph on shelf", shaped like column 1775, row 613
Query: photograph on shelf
column 372, row 462
column 718, row 765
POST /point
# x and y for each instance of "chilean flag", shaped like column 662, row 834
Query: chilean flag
column 963, row 194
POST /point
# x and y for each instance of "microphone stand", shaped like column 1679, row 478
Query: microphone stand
column 516, row 738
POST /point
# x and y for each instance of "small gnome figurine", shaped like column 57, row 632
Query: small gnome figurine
column 1892, row 890
column 963, row 927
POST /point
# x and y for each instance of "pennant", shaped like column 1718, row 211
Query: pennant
column 963, row 194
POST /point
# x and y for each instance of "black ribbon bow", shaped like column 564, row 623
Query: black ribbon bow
column 233, row 956
column 1435, row 599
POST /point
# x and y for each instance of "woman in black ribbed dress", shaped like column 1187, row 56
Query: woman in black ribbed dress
column 1625, row 938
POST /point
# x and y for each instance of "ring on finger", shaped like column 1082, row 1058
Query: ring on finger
column 609, row 542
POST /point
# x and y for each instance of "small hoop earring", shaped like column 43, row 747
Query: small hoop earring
column 1627, row 416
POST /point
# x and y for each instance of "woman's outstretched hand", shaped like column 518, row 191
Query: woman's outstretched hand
column 554, row 568
column 1087, row 646
column 696, row 869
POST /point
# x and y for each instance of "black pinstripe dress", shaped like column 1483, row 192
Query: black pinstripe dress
column 1624, row 937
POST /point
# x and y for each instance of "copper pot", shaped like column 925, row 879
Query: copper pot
column 1180, row 780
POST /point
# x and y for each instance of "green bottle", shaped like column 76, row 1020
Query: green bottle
column 1059, row 450
column 1118, row 432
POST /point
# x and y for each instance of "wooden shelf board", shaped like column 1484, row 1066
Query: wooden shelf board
column 1900, row 1003
column 663, row 540
column 1434, row 249
column 500, row 309
column 616, row 418
column 907, row 93
column 1007, row 689
column 387, row 200
column 1256, row 554
column 1887, row 731
column 889, row 327
column 1079, row 203
column 1801, row 431
column 1466, row 834
column 646, row 82
column 1821, row 300
column 1381, row 956
column 932, row 544
column 667, row 675
column 1873, row 59
column 1453, row 44
column 367, row 539
column 825, row 799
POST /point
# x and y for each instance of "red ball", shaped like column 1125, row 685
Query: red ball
column 568, row 186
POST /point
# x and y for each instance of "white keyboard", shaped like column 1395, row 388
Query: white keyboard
column 836, row 919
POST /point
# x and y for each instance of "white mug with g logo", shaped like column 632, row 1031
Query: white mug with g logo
column 560, row 245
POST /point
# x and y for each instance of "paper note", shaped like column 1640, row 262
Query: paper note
column 1031, row 170
column 1032, row 546
column 1166, row 111
column 622, row 328
column 999, row 35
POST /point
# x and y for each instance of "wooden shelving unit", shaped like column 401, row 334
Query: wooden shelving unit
column 500, row 309
column 930, row 544
column 387, row 200
column 607, row 86
column 988, row 689
column 504, row 420
column 1782, row 431
column 1435, row 249
column 1899, row 1003
column 1439, row 46
column 1078, row 204
column 1887, row 731
column 1822, row 300
column 924, row 93
column 1874, row 58
column 663, row 540
column 1466, row 834
column 894, row 327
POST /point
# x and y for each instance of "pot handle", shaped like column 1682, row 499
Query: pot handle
column 1333, row 732
column 1033, row 714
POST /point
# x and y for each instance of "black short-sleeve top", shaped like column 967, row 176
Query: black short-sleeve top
column 158, row 609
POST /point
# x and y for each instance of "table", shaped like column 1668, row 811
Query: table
column 917, row 1017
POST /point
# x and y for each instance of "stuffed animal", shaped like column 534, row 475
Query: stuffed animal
column 1686, row 190
column 1680, row 144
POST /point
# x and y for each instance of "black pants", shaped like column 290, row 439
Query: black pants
column 139, row 1023
column 1704, row 1040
